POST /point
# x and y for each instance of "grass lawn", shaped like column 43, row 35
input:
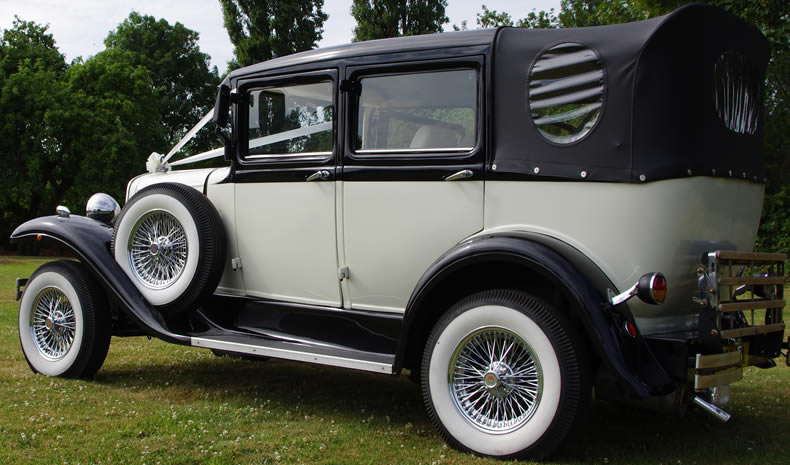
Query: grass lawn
column 156, row 403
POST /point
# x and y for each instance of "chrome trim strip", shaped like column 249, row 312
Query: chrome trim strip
column 302, row 156
column 426, row 150
column 299, row 356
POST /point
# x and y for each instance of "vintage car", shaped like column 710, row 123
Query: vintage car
column 476, row 207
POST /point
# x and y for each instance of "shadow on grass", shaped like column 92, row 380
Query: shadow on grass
column 612, row 433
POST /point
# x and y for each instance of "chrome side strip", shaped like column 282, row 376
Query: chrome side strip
column 297, row 355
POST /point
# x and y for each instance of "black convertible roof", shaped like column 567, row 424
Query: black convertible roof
column 682, row 96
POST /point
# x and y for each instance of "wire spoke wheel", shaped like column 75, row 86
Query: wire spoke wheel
column 52, row 323
column 503, row 376
column 495, row 380
column 158, row 249
column 170, row 241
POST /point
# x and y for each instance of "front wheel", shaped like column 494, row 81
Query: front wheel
column 64, row 325
column 501, row 377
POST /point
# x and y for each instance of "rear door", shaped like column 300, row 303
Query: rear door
column 412, row 181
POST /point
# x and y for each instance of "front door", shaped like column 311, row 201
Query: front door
column 285, row 188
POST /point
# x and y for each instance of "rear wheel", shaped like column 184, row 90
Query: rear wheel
column 64, row 323
column 500, row 376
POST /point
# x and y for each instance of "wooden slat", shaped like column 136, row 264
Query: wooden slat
column 752, row 330
column 750, row 256
column 752, row 281
column 751, row 305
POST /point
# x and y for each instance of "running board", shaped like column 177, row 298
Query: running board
column 357, row 360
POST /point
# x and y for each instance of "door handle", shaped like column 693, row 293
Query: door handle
column 322, row 175
column 463, row 174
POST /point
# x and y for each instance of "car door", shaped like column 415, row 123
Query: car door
column 285, row 190
column 412, row 173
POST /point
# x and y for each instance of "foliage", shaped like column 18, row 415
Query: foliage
column 179, row 71
column 69, row 130
column 264, row 29
column 534, row 20
column 379, row 19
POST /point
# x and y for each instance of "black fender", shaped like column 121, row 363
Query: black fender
column 90, row 241
column 581, row 281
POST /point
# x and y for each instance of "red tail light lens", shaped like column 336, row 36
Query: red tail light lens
column 652, row 288
column 659, row 288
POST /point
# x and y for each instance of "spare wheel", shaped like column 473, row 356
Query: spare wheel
column 170, row 241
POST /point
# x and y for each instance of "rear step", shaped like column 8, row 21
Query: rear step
column 301, row 352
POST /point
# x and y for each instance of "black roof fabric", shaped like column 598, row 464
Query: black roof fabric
column 658, row 119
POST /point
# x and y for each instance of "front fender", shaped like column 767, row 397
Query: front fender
column 90, row 241
column 581, row 282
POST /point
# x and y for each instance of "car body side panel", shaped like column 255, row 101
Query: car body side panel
column 424, row 218
column 631, row 229
column 287, row 241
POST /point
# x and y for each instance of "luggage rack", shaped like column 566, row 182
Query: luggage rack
column 759, row 278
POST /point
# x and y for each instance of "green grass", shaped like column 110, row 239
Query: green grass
column 154, row 402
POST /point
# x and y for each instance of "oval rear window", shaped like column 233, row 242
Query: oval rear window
column 566, row 92
column 737, row 93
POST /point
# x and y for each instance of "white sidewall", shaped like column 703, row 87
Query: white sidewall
column 455, row 423
column 180, row 212
column 40, row 363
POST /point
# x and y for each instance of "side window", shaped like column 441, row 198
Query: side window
column 417, row 112
column 290, row 121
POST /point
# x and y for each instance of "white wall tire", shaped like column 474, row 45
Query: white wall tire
column 170, row 241
column 64, row 325
column 500, row 376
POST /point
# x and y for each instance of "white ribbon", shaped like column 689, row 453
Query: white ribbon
column 158, row 163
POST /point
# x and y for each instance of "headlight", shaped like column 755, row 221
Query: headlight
column 102, row 207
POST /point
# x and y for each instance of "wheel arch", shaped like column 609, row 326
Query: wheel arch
column 543, row 266
column 88, row 241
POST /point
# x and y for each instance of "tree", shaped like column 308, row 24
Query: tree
column 264, row 29
column 68, row 130
column 178, row 69
column 573, row 13
column 110, row 125
column 379, row 19
column 27, row 40
column 534, row 20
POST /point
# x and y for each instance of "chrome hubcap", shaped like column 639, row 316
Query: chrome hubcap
column 52, row 323
column 495, row 380
column 158, row 249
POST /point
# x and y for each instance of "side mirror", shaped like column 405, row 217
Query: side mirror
column 221, row 111
column 222, row 106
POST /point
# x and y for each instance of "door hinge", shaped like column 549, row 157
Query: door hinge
column 342, row 273
column 235, row 263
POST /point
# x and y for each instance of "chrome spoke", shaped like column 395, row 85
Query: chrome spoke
column 158, row 249
column 495, row 380
column 53, row 324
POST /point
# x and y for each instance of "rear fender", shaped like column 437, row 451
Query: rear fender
column 90, row 241
column 580, row 281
